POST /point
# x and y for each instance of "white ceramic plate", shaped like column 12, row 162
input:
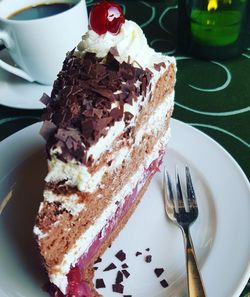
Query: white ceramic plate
column 17, row 92
column 220, row 235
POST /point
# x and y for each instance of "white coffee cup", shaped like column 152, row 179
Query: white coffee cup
column 39, row 46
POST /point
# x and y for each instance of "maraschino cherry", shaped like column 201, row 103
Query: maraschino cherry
column 106, row 17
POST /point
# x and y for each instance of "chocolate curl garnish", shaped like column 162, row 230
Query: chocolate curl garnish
column 48, row 128
column 69, row 137
column 112, row 63
column 158, row 66
column 45, row 99
column 117, row 113
column 127, row 117
column 114, row 51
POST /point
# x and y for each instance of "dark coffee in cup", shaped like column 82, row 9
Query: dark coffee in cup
column 37, row 34
column 39, row 11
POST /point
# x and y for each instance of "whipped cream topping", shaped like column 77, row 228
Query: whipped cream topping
column 130, row 42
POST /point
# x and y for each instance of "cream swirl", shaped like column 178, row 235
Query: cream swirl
column 131, row 43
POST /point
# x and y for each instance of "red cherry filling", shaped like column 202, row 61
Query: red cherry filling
column 106, row 16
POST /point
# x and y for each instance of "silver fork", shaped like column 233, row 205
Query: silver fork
column 178, row 214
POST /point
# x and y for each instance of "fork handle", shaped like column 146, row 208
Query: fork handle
column 195, row 285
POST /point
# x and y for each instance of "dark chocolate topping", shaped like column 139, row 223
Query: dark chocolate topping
column 111, row 266
column 125, row 273
column 118, row 288
column 79, row 110
column 164, row 283
column 121, row 255
column 158, row 271
column 158, row 66
column 119, row 277
column 99, row 283
column 148, row 258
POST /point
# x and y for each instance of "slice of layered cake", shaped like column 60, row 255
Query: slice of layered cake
column 106, row 126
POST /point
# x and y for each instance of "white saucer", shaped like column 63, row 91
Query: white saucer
column 19, row 93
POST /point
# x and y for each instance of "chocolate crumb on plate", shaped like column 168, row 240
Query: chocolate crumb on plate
column 138, row 254
column 119, row 277
column 124, row 265
column 127, row 295
column 95, row 268
column 110, row 267
column 98, row 260
column 147, row 249
column 118, row 288
column 158, row 271
column 121, row 255
column 125, row 273
column 148, row 258
column 99, row 283
column 164, row 283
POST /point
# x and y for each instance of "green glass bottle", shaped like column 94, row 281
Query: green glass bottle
column 213, row 29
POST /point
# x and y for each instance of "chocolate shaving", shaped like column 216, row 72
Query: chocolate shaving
column 124, row 265
column 127, row 117
column 158, row 271
column 114, row 51
column 125, row 273
column 119, row 277
column 148, row 258
column 47, row 129
column 111, row 266
column 118, row 288
column 158, row 66
column 121, row 255
column 138, row 254
column 147, row 249
column 99, row 283
column 45, row 99
column 116, row 113
column 164, row 283
column 98, row 260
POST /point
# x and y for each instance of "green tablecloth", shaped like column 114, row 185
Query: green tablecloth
column 211, row 96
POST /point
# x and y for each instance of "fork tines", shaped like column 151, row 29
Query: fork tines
column 179, row 206
column 184, row 219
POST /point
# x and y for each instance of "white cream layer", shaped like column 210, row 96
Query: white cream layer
column 70, row 203
column 77, row 174
column 85, row 240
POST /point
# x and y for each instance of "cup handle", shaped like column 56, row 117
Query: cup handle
column 5, row 40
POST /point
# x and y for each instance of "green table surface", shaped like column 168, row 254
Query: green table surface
column 212, row 96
